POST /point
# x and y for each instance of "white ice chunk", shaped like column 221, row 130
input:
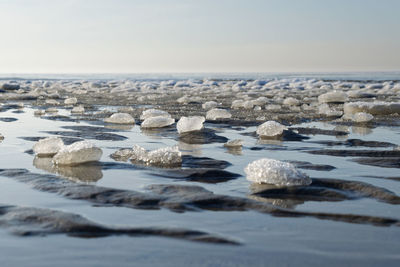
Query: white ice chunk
column 162, row 157
column 71, row 101
column 271, row 171
column 52, row 102
column 362, row 117
column 77, row 153
column 48, row 146
column 120, row 118
column 324, row 109
column 218, row 113
column 78, row 109
column 154, row 113
column 236, row 104
column 291, row 101
column 189, row 124
column 270, row 129
column 209, row 105
column 333, row 97
column 157, row 122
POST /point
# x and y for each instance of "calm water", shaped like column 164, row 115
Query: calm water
column 266, row 240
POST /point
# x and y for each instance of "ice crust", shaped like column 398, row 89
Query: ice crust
column 270, row 129
column 271, row 171
column 154, row 113
column 120, row 118
column 48, row 146
column 189, row 124
column 157, row 122
column 162, row 157
column 77, row 153
column 218, row 113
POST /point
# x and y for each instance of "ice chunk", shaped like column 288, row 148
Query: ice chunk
column 1, row 137
column 39, row 112
column 71, row 101
column 374, row 108
column 189, row 124
column 52, row 102
column 162, row 157
column 77, row 153
column 362, row 117
column 324, row 109
column 237, row 143
column 154, row 113
column 125, row 109
column 236, row 104
column 120, row 118
column 209, row 105
column 157, row 122
column 122, row 154
column 291, row 101
column 270, row 129
column 48, row 146
column 51, row 110
column 333, row 97
column 271, row 171
column 218, row 113
column 78, row 109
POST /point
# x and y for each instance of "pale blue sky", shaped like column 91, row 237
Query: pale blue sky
column 56, row 36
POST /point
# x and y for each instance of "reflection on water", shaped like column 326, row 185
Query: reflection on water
column 190, row 149
column 361, row 130
column 87, row 173
column 274, row 142
column 342, row 128
column 153, row 133
column 283, row 203
column 121, row 127
column 236, row 151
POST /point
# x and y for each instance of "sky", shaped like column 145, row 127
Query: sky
column 139, row 36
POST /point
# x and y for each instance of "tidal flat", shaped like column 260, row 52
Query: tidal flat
column 124, row 209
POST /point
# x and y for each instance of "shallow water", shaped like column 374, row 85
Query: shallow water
column 264, row 239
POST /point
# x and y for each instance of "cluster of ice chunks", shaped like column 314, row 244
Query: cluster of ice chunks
column 333, row 97
column 271, row 171
column 74, row 154
column 157, row 122
column 120, row 118
column 270, row 129
column 77, row 153
column 374, row 108
column 190, row 124
column 154, row 113
column 218, row 113
column 162, row 157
